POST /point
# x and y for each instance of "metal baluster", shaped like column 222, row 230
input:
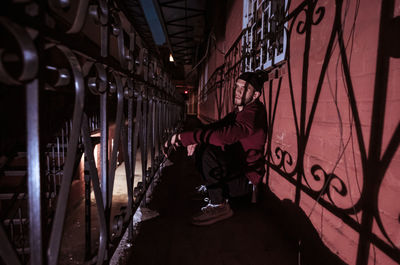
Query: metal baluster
column 103, row 237
column 53, row 168
column 48, row 177
column 104, row 147
column 131, row 161
column 156, row 129
column 88, row 237
column 129, row 182
column 150, row 130
column 166, row 118
column 169, row 117
column 137, row 131
column 63, row 145
column 12, row 236
column 144, row 145
column 34, row 187
column 163, row 120
column 118, row 126
column 158, row 126
column 58, row 163
column 59, row 218
column 160, row 122
column 66, row 133
column 21, row 231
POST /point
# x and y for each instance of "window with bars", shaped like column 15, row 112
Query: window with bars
column 264, row 33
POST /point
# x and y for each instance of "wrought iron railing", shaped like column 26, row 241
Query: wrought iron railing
column 222, row 81
column 374, row 158
column 214, row 85
column 82, row 79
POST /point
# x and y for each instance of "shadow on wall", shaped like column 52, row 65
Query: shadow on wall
column 292, row 220
column 297, row 228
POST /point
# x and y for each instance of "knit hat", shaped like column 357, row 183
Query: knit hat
column 256, row 79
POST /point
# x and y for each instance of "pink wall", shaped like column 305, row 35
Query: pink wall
column 225, row 32
column 333, row 142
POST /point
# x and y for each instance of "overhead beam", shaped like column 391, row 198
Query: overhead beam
column 178, row 43
column 183, row 8
column 180, row 25
column 180, row 32
column 182, row 38
column 180, row 50
column 183, row 18
column 185, row 47
column 172, row 2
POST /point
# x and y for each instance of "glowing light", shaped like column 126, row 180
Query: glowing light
column 171, row 59
column 186, row 92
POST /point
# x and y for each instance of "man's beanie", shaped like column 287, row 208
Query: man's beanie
column 256, row 79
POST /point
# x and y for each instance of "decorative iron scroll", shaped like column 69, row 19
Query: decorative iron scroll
column 302, row 19
column 84, row 88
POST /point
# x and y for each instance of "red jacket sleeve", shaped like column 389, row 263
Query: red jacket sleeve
column 242, row 127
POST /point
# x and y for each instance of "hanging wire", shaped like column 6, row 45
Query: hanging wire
column 343, row 146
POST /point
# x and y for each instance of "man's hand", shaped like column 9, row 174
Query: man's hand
column 190, row 149
column 174, row 141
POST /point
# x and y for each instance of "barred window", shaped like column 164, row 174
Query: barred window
column 264, row 33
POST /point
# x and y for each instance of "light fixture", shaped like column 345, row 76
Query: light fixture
column 171, row 59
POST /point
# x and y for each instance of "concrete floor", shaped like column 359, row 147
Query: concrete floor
column 256, row 235
column 250, row 237
column 73, row 242
column 266, row 233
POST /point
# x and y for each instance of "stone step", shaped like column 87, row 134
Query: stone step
column 23, row 195
column 14, row 173
column 9, row 196
column 17, row 221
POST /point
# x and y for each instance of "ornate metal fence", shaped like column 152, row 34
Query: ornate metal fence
column 87, row 79
column 301, row 101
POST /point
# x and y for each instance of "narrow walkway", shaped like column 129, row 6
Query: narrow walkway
column 250, row 237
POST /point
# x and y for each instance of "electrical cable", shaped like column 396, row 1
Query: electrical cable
column 342, row 145
column 337, row 107
column 216, row 46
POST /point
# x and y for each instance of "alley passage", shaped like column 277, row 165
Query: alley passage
column 250, row 237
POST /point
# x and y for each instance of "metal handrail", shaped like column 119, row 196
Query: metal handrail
column 99, row 77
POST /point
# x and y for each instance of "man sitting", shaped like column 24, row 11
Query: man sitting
column 230, row 152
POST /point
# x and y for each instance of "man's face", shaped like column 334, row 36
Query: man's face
column 243, row 95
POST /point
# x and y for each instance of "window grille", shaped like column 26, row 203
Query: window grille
column 264, row 38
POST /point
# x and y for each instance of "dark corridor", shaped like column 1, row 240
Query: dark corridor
column 266, row 232
column 90, row 90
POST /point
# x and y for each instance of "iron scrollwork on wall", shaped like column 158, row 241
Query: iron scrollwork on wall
column 345, row 195
column 327, row 187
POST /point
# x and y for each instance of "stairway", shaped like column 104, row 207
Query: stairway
column 14, row 192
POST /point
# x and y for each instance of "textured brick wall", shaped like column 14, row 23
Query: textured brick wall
column 333, row 142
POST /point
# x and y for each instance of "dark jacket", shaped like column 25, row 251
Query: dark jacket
column 248, row 127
